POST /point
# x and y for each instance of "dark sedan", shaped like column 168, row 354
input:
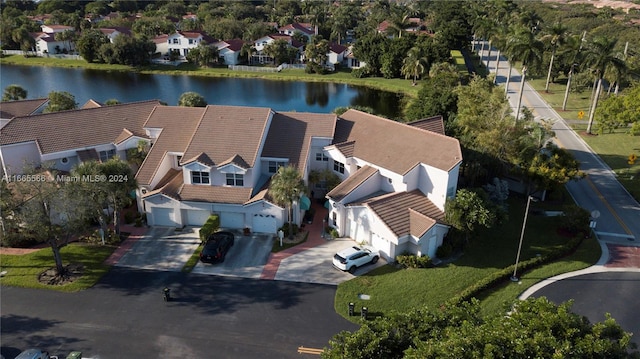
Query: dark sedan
column 216, row 247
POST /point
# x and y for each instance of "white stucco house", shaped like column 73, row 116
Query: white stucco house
column 181, row 41
column 306, row 29
column 336, row 53
column 261, row 43
column 45, row 42
column 113, row 32
column 219, row 160
column 229, row 51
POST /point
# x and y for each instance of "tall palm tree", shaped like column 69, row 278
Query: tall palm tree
column 526, row 48
column 572, row 48
column 414, row 64
column 601, row 56
column 556, row 36
column 286, row 188
column 499, row 38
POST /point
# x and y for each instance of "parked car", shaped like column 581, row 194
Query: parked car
column 351, row 258
column 216, row 247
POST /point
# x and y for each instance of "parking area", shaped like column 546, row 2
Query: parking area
column 314, row 265
column 162, row 248
column 245, row 259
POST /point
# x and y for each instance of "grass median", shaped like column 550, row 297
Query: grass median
column 23, row 270
column 488, row 252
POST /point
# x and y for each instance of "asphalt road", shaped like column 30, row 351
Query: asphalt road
column 598, row 293
column 124, row 316
column 619, row 212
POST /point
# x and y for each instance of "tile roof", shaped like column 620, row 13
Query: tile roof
column 73, row 129
column 178, row 125
column 291, row 132
column 111, row 30
column 236, row 160
column 406, row 212
column 394, row 145
column 193, row 34
column 351, row 183
column 202, row 158
column 302, row 27
column 226, row 131
column 215, row 194
column 11, row 109
column 433, row 124
column 233, row 44
column 123, row 136
column 91, row 103
column 337, row 48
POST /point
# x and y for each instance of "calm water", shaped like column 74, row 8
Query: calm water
column 128, row 87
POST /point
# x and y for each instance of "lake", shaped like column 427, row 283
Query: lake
column 87, row 84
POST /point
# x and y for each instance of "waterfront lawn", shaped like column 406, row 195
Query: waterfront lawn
column 23, row 270
column 489, row 251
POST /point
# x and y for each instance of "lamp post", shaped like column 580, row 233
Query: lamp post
column 514, row 277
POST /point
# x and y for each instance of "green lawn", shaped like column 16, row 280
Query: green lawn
column 459, row 61
column 23, row 270
column 490, row 251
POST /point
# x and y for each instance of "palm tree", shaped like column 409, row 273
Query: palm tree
column 499, row 38
column 481, row 28
column 249, row 50
column 573, row 47
column 556, row 36
column 413, row 65
column 600, row 56
column 13, row 93
column 287, row 187
column 524, row 47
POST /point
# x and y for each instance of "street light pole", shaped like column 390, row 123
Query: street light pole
column 514, row 277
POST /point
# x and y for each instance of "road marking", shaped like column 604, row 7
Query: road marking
column 303, row 350
column 613, row 212
column 615, row 235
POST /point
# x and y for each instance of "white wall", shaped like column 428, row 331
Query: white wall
column 163, row 168
column 433, row 183
column 17, row 156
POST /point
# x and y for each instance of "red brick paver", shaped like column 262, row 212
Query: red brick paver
column 135, row 233
column 623, row 256
column 313, row 240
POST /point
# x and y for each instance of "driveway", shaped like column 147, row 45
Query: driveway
column 162, row 248
column 314, row 265
column 245, row 259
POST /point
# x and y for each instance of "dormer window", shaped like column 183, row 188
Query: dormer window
column 235, row 179
column 338, row 166
column 199, row 177
column 106, row 155
column 274, row 165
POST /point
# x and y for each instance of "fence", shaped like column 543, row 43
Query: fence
column 266, row 69
column 33, row 53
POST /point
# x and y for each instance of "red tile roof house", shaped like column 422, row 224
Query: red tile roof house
column 229, row 51
column 181, row 41
column 259, row 45
column 219, row 159
column 113, row 32
column 45, row 42
column 306, row 29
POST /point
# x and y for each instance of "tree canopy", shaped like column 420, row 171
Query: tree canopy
column 60, row 101
column 192, row 99
column 287, row 187
column 533, row 328
column 13, row 93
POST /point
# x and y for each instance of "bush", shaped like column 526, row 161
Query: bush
column 209, row 227
column 285, row 229
column 359, row 73
column 575, row 219
column 445, row 250
column 634, row 130
column 109, row 238
column 409, row 260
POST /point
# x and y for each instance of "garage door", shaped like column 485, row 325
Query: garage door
column 382, row 245
column 163, row 217
column 264, row 223
column 196, row 217
column 232, row 220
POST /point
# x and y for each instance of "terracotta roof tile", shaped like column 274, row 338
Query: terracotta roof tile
column 202, row 158
column 433, row 124
column 82, row 128
column 18, row 108
column 170, row 185
column 419, row 224
column 215, row 194
column 394, row 210
column 124, row 135
column 178, row 125
column 394, row 145
column 236, row 160
column 226, row 131
column 91, row 104
column 351, row 183
column 291, row 132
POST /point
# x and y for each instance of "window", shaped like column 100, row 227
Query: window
column 178, row 159
column 235, row 179
column 274, row 165
column 355, row 63
column 338, row 166
column 334, row 218
column 176, row 41
column 199, row 177
column 190, row 41
column 321, row 157
column 106, row 155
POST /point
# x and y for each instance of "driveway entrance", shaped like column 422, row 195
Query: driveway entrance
column 162, row 248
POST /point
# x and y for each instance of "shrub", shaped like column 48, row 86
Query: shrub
column 445, row 250
column 634, row 130
column 285, row 229
column 109, row 238
column 359, row 73
column 209, row 227
column 575, row 219
column 409, row 260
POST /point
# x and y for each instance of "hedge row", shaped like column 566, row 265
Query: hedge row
column 209, row 227
column 413, row 261
column 505, row 274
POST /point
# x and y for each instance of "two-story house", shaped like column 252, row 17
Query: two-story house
column 113, row 32
column 46, row 43
column 261, row 57
column 182, row 42
column 305, row 29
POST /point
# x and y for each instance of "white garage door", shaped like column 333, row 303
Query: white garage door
column 264, row 224
column 163, row 217
column 197, row 217
column 382, row 245
column 232, row 220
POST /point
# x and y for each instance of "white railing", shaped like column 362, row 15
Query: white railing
column 253, row 68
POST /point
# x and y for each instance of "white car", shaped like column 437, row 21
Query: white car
column 351, row 258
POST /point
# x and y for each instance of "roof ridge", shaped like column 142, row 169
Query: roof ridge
column 90, row 109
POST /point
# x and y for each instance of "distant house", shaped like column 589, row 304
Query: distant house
column 229, row 51
column 262, row 42
column 350, row 61
column 336, row 54
column 306, row 29
column 46, row 43
column 12, row 109
column 182, row 42
column 413, row 24
column 113, row 32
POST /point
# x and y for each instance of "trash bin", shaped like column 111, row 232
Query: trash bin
column 75, row 355
column 351, row 309
column 363, row 313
